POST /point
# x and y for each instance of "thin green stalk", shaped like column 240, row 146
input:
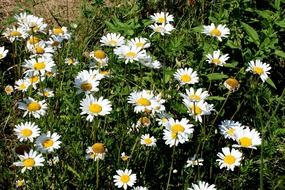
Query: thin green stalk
column 227, row 97
column 133, row 149
column 146, row 161
column 171, row 165
column 97, row 173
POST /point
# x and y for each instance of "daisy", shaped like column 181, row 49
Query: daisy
column 217, row 58
column 96, row 152
column 41, row 49
column 47, row 143
column 87, row 81
column 176, row 131
column 39, row 65
column 142, row 100
column 94, row 107
column 113, row 40
column 140, row 188
column 260, row 68
column 162, row 17
column 30, row 160
column 163, row 118
column 194, row 161
column 202, row 186
column 21, row 18
column 33, row 107
column 144, row 121
column 247, row 138
column 124, row 157
column 162, row 28
column 197, row 109
column 47, row 92
column 22, row 84
column 147, row 140
column 100, row 57
column 9, row 89
column 221, row 31
column 195, row 95
column 228, row 128
column 20, row 183
column 124, row 178
column 34, row 24
column 186, row 76
column 148, row 61
column 15, row 33
column 71, row 61
column 33, row 79
column 55, row 42
column 232, row 84
column 139, row 42
column 60, row 32
column 158, row 102
column 3, row 52
column 32, row 41
column 229, row 158
column 130, row 53
column 53, row 161
column 27, row 131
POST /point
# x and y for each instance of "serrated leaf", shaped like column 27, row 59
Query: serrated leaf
column 219, row 98
column 270, row 82
column 217, row 76
column 251, row 33
column 266, row 14
column 279, row 53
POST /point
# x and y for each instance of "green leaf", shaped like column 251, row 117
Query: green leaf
column 232, row 45
column 251, row 33
column 231, row 65
column 219, row 98
column 277, row 4
column 280, row 23
column 266, row 14
column 270, row 82
column 217, row 76
column 198, row 28
column 279, row 53
column 73, row 171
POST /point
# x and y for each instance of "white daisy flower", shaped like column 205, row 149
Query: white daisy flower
column 186, row 76
column 162, row 17
column 9, row 89
column 140, row 188
column 100, row 57
column 96, row 152
column 197, row 109
column 177, row 131
column 61, row 32
column 195, row 95
column 15, row 33
column 217, row 58
column 30, row 160
column 162, row 118
column 260, row 68
column 33, row 107
column 34, row 79
column 130, row 53
column 221, row 31
column 94, row 107
column 113, row 40
column 21, row 18
column 161, row 28
column 124, row 157
column 47, row 143
column 147, row 140
column 143, row 121
column 33, row 41
column 124, row 178
column 71, row 61
column 202, row 186
column 20, row 183
column 22, row 84
column 47, row 92
column 34, row 24
column 158, row 102
column 88, row 81
column 53, row 161
column 228, row 128
column 194, row 161
column 55, row 42
column 39, row 65
column 232, row 84
column 149, row 62
column 229, row 158
column 142, row 100
column 3, row 52
column 27, row 131
column 139, row 42
column 41, row 49
column 247, row 138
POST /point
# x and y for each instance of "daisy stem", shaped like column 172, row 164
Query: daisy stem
column 227, row 97
column 146, row 160
column 171, row 166
column 133, row 149
column 213, row 69
column 97, row 174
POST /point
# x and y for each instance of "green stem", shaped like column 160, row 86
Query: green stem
column 171, row 166
column 146, row 160
column 133, row 149
column 228, row 94
column 97, row 173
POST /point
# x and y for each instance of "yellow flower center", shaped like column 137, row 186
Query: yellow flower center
column 46, row 93
column 173, row 135
column 20, row 183
column 29, row 162
column 140, row 44
column 216, row 32
column 195, row 97
column 231, row 131
column 26, row 132
column 164, row 120
column 8, row 90
column 148, row 141
column 58, row 31
column 39, row 65
column 245, row 141
column 15, row 33
column 99, row 54
column 55, row 43
column 196, row 110
column 33, row 106
column 113, row 42
column 131, row 54
column 161, row 20
column 232, row 84
column 34, row 40
column 70, row 61
column 22, row 86
column 48, row 143
column 258, row 70
column 39, row 50
column 143, row 102
column 125, row 158
column 98, row 148
column 177, row 128
column 158, row 29
column 86, row 86
column 229, row 159
column 95, row 108
column 104, row 72
column 1, row 56
column 144, row 121
column 125, row 178
column 34, row 79
column 216, row 61
column 185, row 78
